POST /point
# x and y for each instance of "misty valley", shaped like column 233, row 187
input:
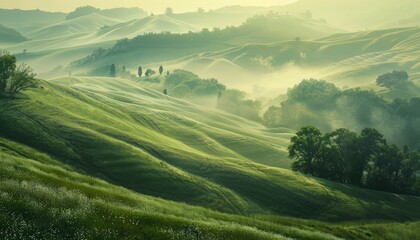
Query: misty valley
column 206, row 120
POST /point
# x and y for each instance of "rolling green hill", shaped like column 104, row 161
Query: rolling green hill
column 54, row 137
column 153, row 144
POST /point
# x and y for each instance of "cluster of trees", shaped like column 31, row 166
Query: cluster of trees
column 322, row 104
column 187, row 85
column 124, row 73
column 150, row 72
column 363, row 159
column 393, row 80
column 14, row 79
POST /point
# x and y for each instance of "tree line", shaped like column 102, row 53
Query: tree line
column 364, row 159
column 113, row 71
column 14, row 78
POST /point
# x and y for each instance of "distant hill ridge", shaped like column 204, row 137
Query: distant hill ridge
column 124, row 14
column 10, row 35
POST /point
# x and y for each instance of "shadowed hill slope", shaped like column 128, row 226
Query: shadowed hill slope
column 10, row 35
column 41, row 198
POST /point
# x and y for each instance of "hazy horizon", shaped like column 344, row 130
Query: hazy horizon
column 157, row 6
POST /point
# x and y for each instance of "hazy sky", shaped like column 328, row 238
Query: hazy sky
column 156, row 6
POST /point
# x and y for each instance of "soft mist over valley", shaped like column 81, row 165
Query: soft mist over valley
column 208, row 120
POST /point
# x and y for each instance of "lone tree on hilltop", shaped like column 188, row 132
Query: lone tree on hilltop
column 113, row 71
column 165, row 92
column 140, row 71
column 160, row 70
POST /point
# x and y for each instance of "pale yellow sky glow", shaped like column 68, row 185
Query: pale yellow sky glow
column 156, row 6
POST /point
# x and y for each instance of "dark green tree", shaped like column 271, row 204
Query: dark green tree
column 342, row 144
column 383, row 167
column 165, row 92
column 369, row 145
column 408, row 180
column 149, row 72
column 7, row 67
column 113, row 71
column 140, row 71
column 160, row 70
column 22, row 78
column 306, row 148
column 393, row 80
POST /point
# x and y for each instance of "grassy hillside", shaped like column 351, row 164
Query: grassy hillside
column 43, row 199
column 154, row 144
column 10, row 35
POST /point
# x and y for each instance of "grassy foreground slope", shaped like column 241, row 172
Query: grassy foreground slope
column 42, row 198
column 154, row 144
